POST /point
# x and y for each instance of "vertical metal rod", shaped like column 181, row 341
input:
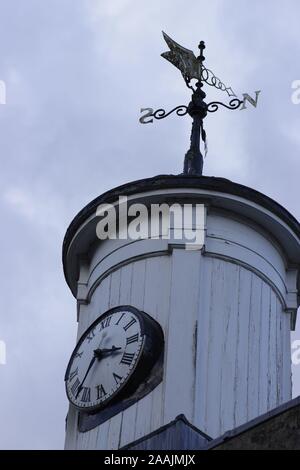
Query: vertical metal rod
column 193, row 161
column 197, row 109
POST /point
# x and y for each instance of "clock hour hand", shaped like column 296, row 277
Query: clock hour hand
column 99, row 352
column 86, row 374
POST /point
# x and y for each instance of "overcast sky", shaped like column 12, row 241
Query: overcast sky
column 77, row 73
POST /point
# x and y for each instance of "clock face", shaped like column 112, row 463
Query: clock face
column 105, row 358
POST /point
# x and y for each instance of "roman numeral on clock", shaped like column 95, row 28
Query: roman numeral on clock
column 127, row 359
column 132, row 321
column 100, row 392
column 86, row 394
column 74, row 387
column 90, row 336
column 120, row 318
column 132, row 339
column 78, row 354
column 117, row 378
column 105, row 323
column 73, row 374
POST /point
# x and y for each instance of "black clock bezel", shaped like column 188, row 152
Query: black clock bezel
column 152, row 346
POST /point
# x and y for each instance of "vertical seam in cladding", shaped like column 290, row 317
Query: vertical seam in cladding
column 120, row 430
column 145, row 279
column 203, row 317
column 237, row 347
column 269, row 348
column 106, row 436
column 225, row 325
column 109, row 293
column 135, row 421
column 131, row 281
column 167, row 339
column 168, row 273
column 277, row 355
column 222, row 273
column 234, row 344
column 281, row 355
column 97, row 434
column 77, row 431
column 283, row 334
column 196, row 335
column 120, row 281
column 211, row 266
column 248, row 346
column 278, row 350
column 138, row 404
column 195, row 341
column 135, row 404
column 287, row 342
column 259, row 345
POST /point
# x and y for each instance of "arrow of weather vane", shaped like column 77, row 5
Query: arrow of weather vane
column 192, row 67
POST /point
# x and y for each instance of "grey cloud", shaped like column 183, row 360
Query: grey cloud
column 77, row 74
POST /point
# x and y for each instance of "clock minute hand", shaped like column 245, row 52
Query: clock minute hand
column 86, row 374
column 97, row 355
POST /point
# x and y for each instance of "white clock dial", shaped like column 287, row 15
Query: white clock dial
column 104, row 359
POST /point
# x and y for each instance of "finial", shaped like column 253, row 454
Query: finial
column 201, row 47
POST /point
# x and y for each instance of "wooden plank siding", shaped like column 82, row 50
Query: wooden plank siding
column 227, row 334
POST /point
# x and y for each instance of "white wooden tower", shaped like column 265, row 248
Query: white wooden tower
column 226, row 309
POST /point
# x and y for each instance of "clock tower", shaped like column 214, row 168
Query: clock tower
column 202, row 332
column 192, row 317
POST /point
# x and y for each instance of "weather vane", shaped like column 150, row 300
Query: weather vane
column 192, row 67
